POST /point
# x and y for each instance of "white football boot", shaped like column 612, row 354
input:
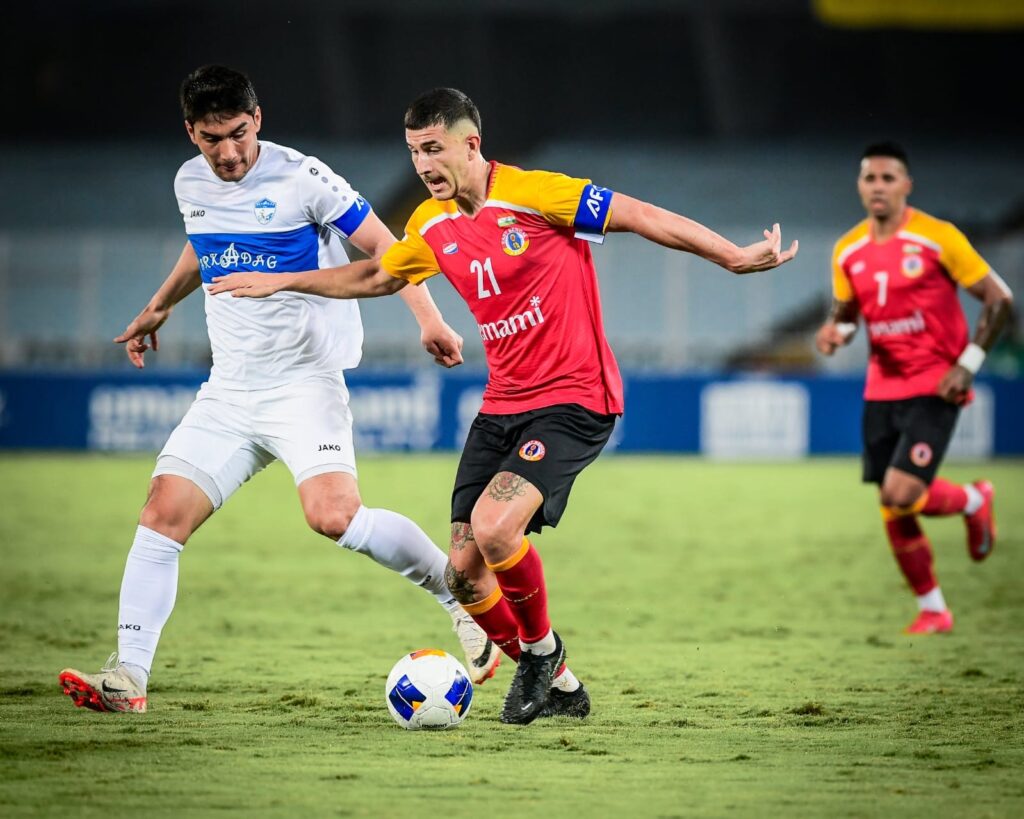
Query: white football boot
column 482, row 655
column 112, row 689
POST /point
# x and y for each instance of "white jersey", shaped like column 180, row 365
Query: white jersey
column 289, row 213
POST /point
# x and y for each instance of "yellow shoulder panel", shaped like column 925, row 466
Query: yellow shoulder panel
column 842, row 290
column 411, row 258
column 963, row 263
column 553, row 196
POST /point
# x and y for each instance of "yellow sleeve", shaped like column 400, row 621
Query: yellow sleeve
column 563, row 200
column 959, row 258
column 841, row 288
column 411, row 258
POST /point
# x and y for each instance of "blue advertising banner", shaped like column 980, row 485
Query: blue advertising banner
column 721, row 415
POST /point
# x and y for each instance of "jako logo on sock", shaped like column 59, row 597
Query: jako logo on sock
column 129, row 626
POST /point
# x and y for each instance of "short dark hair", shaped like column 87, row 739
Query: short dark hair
column 441, row 106
column 890, row 149
column 216, row 91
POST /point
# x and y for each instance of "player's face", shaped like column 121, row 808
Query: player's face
column 229, row 144
column 884, row 186
column 442, row 158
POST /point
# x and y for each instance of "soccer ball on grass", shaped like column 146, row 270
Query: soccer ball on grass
column 428, row 689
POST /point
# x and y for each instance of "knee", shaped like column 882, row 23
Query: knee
column 496, row 538
column 171, row 514
column 332, row 519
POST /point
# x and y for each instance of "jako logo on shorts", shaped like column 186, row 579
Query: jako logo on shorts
column 532, row 451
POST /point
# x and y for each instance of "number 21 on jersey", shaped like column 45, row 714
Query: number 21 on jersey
column 481, row 286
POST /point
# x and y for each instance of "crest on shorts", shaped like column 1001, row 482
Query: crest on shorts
column 913, row 266
column 532, row 451
column 514, row 241
column 921, row 454
column 265, row 210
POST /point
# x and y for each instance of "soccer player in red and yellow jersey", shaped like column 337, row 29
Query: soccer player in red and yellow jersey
column 900, row 269
column 515, row 245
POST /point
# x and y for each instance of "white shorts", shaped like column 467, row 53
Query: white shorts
column 227, row 436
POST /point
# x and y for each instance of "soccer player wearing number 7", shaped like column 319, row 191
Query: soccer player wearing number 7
column 516, row 246
column 899, row 269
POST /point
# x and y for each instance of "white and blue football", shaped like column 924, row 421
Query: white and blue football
column 428, row 689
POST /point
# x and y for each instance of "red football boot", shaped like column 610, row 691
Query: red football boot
column 981, row 526
column 931, row 622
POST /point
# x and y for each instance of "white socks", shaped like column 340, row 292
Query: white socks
column 394, row 541
column 148, row 589
column 932, row 601
column 974, row 499
column 566, row 681
column 545, row 645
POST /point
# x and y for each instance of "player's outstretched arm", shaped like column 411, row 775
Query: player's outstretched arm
column 997, row 302
column 437, row 338
column 358, row 280
column 183, row 279
column 680, row 233
column 839, row 328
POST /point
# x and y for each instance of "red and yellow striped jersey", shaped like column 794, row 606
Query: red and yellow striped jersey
column 906, row 289
column 524, row 267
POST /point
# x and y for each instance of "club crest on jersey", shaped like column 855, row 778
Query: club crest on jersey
column 912, row 266
column 506, row 221
column 450, row 248
column 265, row 210
column 514, row 241
column 921, row 454
column 532, row 451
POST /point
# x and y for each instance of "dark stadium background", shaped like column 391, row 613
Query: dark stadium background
column 737, row 113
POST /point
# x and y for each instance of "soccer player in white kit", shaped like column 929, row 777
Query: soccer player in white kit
column 276, row 388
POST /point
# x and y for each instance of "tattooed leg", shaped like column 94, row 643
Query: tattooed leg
column 467, row 576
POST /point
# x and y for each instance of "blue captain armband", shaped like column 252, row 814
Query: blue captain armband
column 592, row 213
column 349, row 222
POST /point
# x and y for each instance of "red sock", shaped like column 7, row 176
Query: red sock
column 913, row 552
column 521, row 580
column 494, row 615
column 944, row 498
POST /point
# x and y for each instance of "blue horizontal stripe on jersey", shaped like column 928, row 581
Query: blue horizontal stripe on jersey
column 291, row 251
column 349, row 222
column 592, row 212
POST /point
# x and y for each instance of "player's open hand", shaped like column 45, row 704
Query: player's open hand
column 246, row 285
column 767, row 254
column 956, row 385
column 141, row 328
column 443, row 343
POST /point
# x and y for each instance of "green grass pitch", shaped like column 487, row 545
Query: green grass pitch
column 739, row 626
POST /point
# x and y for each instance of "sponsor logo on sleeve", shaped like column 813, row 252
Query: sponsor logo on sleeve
column 450, row 248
